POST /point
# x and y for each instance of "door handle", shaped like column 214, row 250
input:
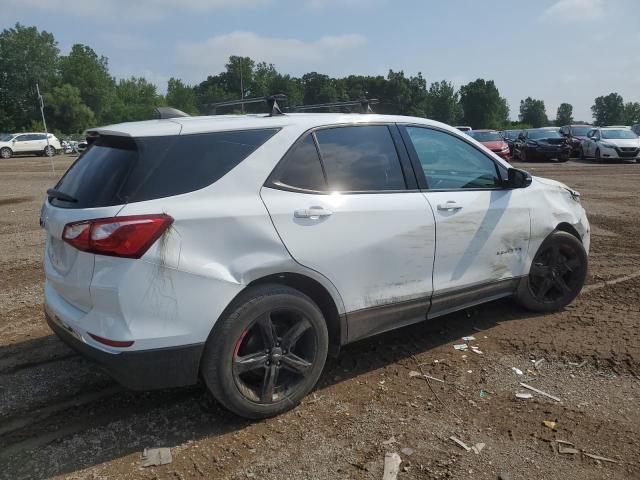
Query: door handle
column 313, row 213
column 450, row 205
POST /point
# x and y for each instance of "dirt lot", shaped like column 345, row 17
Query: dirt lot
column 61, row 417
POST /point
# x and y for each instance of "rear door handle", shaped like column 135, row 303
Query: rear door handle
column 450, row 205
column 313, row 213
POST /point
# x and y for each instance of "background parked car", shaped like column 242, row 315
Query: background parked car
column 29, row 143
column 636, row 128
column 464, row 129
column 541, row 144
column 492, row 139
column 575, row 134
column 510, row 136
column 611, row 144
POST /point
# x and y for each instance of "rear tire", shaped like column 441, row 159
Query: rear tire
column 5, row 152
column 49, row 151
column 556, row 276
column 523, row 156
column 582, row 157
column 267, row 352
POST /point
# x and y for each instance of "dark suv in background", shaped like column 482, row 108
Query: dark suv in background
column 541, row 144
column 575, row 134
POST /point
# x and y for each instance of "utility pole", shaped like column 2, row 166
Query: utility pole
column 44, row 124
column 241, row 87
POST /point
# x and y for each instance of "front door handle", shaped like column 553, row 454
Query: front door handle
column 313, row 213
column 450, row 205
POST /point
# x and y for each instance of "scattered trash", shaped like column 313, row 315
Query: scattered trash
column 464, row 356
column 392, row 463
column 531, row 372
column 550, row 424
column 482, row 394
column 469, row 339
column 475, row 350
column 152, row 457
column 524, row 396
column 460, row 443
column 407, row 451
column 567, row 450
column 461, row 346
column 564, row 442
column 602, row 459
column 540, row 392
column 517, row 370
column 578, row 365
column 391, row 441
column 413, row 373
column 537, row 363
column 469, row 371
column 477, row 448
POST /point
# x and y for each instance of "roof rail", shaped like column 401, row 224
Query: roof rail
column 271, row 100
column 170, row 112
column 363, row 103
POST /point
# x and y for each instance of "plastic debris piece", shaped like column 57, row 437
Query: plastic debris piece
column 153, row 457
column 564, row 442
column 477, row 448
column 524, row 396
column 482, row 394
column 391, row 441
column 460, row 443
column 469, row 338
column 567, row 450
column 516, row 370
column 550, row 424
column 532, row 373
column 392, row 463
column 602, row 459
column 413, row 373
column 461, row 346
column 537, row 363
column 475, row 350
column 534, row 389
column 407, row 451
column 469, row 371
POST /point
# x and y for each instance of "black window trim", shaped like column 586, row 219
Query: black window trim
column 417, row 166
column 406, row 166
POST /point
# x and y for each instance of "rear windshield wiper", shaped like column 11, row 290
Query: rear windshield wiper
column 65, row 197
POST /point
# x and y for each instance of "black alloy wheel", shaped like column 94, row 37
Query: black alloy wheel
column 557, row 271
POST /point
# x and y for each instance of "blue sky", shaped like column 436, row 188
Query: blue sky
column 555, row 50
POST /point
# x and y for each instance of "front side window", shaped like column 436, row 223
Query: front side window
column 450, row 163
column 360, row 158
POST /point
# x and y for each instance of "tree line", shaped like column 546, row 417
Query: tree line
column 79, row 91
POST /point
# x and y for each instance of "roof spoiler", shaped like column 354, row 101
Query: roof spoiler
column 271, row 101
column 363, row 103
column 170, row 112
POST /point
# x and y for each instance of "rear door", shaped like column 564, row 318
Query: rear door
column 345, row 203
column 21, row 144
column 482, row 229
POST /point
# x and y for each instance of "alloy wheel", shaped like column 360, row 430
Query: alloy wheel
column 556, row 273
column 274, row 355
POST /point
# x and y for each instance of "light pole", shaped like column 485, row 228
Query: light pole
column 44, row 124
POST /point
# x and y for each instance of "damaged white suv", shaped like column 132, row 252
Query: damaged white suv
column 243, row 249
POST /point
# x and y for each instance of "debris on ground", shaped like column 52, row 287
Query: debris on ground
column 578, row 365
column 598, row 457
column 460, row 443
column 483, row 394
column 392, row 463
column 537, row 363
column 567, row 450
column 477, row 448
column 540, row 392
column 469, row 338
column 476, row 350
column 524, row 396
column 550, row 424
column 153, row 457
column 407, row 451
column 516, row 370
column 391, row 441
column 461, row 346
column 413, row 373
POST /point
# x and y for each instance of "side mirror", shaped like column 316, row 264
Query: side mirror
column 518, row 178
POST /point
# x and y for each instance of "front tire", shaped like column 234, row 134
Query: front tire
column 598, row 157
column 49, row 151
column 267, row 352
column 556, row 276
column 5, row 152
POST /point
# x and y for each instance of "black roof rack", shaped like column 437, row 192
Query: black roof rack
column 271, row 100
column 170, row 112
column 363, row 103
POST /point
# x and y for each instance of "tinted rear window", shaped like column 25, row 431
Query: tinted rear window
column 301, row 167
column 117, row 170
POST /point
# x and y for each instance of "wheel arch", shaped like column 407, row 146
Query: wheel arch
column 568, row 228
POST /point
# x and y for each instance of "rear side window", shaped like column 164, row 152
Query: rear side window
column 360, row 158
column 301, row 167
column 117, row 170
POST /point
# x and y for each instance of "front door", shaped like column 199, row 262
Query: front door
column 351, row 217
column 482, row 229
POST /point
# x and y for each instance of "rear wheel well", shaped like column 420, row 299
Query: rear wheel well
column 567, row 227
column 319, row 294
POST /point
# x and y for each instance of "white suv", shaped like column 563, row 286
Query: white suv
column 28, row 143
column 244, row 249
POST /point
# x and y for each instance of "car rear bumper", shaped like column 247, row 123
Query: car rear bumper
column 140, row 369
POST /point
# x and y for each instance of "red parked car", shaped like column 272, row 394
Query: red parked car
column 493, row 140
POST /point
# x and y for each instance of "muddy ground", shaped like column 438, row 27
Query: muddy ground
column 61, row 417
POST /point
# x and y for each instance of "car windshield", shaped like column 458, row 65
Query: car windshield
column 511, row 134
column 486, row 136
column 536, row 134
column 619, row 134
column 580, row 131
column 5, row 137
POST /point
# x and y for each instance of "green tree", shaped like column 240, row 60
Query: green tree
column 533, row 112
column 631, row 113
column 27, row 57
column 181, row 96
column 89, row 73
column 443, row 103
column 482, row 105
column 136, row 99
column 608, row 110
column 65, row 110
column 564, row 115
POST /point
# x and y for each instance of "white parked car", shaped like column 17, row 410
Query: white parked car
column 242, row 249
column 28, row 143
column 611, row 143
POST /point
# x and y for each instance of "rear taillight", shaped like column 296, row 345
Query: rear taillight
column 128, row 237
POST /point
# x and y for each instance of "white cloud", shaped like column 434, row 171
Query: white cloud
column 288, row 54
column 575, row 10
column 129, row 10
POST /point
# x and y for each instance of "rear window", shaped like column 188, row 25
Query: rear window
column 117, row 170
